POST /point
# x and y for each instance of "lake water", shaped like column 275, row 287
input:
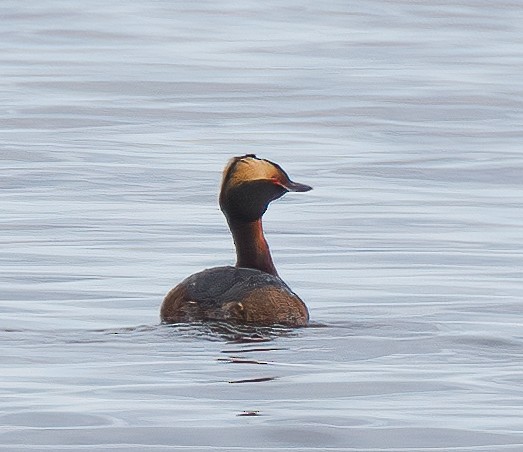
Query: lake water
column 116, row 121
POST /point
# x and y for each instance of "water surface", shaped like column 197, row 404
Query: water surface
column 406, row 118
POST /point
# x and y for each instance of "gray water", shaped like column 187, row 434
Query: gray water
column 116, row 121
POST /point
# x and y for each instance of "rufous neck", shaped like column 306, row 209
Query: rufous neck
column 252, row 250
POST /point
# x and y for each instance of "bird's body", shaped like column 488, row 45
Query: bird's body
column 251, row 292
column 232, row 294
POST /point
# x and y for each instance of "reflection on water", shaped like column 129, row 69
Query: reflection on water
column 234, row 333
column 116, row 123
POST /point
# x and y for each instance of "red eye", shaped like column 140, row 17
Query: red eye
column 277, row 181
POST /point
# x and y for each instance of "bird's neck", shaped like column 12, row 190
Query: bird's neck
column 252, row 250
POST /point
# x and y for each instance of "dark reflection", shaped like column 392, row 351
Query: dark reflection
column 209, row 331
column 253, row 380
column 234, row 360
column 251, row 350
column 249, row 413
column 232, row 333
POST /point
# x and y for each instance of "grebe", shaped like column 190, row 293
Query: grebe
column 251, row 292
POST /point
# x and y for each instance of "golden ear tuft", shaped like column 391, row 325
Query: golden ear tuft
column 250, row 169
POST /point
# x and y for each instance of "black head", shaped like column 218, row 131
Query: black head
column 249, row 184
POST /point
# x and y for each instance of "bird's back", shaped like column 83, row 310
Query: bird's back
column 242, row 295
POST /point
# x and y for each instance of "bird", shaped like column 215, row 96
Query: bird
column 251, row 292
